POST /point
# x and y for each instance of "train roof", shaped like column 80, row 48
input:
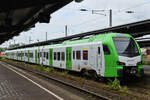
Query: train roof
column 94, row 38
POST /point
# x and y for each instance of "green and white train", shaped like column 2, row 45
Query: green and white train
column 107, row 55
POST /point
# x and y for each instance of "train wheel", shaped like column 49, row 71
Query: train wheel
column 93, row 75
column 84, row 73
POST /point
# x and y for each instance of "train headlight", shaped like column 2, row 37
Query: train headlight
column 139, row 63
column 133, row 70
column 120, row 63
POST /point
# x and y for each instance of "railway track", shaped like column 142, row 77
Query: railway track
column 95, row 95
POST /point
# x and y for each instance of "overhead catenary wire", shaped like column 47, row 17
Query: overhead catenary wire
column 114, row 13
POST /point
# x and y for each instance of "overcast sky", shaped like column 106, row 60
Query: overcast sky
column 79, row 21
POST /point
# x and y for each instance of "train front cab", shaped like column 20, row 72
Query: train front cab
column 123, row 58
column 129, row 55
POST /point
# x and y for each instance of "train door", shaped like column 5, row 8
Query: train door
column 68, row 57
column 51, row 57
column 40, row 57
column 100, row 59
column 45, row 57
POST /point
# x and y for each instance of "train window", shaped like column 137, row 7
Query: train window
column 99, row 50
column 44, row 54
column 85, row 55
column 62, row 56
column 54, row 55
column 26, row 54
column 30, row 55
column 47, row 55
column 73, row 54
column 78, row 55
column 38, row 55
column 58, row 56
column 106, row 50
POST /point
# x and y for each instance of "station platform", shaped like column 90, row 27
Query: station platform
column 16, row 87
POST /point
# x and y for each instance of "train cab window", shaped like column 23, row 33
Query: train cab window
column 58, row 56
column 78, row 55
column 73, row 54
column 85, row 55
column 54, row 55
column 62, row 56
column 106, row 50
column 99, row 50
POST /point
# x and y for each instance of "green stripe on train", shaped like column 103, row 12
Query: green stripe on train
column 35, row 56
column 69, row 58
column 28, row 57
column 51, row 57
column 21, row 55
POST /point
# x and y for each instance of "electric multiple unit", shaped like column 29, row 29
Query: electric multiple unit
column 108, row 55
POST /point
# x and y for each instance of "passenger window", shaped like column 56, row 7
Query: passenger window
column 99, row 50
column 25, row 54
column 44, row 54
column 73, row 54
column 106, row 50
column 54, row 55
column 31, row 55
column 62, row 56
column 47, row 55
column 78, row 55
column 85, row 55
column 58, row 56
column 38, row 55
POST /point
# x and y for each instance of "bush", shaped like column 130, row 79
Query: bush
column 114, row 85
column 148, row 93
column 124, row 89
column 49, row 70
column 41, row 67
column 65, row 73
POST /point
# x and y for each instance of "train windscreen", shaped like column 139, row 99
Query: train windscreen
column 126, row 46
